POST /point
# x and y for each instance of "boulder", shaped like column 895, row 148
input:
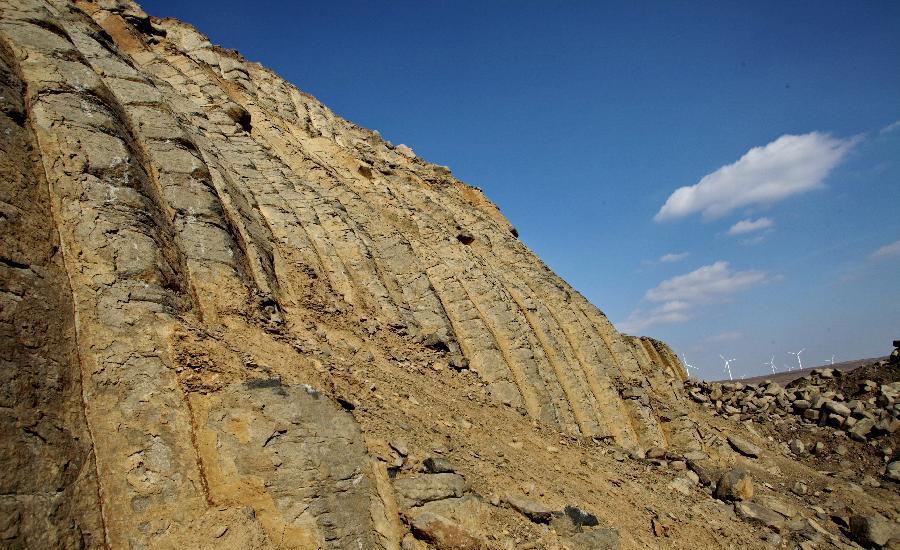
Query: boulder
column 838, row 408
column 860, row 431
column 872, row 530
column 892, row 471
column 735, row 484
column 445, row 534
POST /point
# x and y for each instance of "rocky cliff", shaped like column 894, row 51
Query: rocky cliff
column 232, row 319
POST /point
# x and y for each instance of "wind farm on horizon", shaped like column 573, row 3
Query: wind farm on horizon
column 788, row 370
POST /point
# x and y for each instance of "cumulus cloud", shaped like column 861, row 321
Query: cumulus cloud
column 749, row 226
column 887, row 251
column 710, row 283
column 677, row 299
column 673, row 257
column 788, row 166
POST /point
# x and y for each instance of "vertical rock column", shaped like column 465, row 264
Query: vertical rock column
column 48, row 486
column 125, row 282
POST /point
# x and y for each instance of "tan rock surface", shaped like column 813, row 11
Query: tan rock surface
column 223, row 306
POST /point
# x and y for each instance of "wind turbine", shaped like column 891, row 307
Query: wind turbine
column 832, row 360
column 728, row 367
column 687, row 365
column 799, row 362
column 771, row 364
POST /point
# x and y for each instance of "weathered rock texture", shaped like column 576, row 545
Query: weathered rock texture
column 202, row 268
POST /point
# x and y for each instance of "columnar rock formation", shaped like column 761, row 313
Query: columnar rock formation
column 192, row 247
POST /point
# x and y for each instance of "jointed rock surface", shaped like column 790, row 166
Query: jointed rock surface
column 232, row 319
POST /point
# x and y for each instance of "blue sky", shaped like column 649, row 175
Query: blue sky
column 582, row 119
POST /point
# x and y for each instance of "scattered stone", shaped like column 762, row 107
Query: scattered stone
column 418, row 489
column 655, row 452
column 597, row 539
column 744, row 447
column 438, row 465
column 681, row 485
column 703, row 472
column 410, row 542
column 777, row 505
column 692, row 477
column 800, row 488
column 659, row 527
column 797, row 447
column 736, row 484
column 756, row 513
column 534, row 511
column 869, row 481
column 400, row 446
column 695, row 455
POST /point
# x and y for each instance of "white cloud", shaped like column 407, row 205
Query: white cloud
column 710, row 283
column 887, row 251
column 890, row 127
column 673, row 257
column 668, row 313
column 678, row 299
column 788, row 166
column 749, row 226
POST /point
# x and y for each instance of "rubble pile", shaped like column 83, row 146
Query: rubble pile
column 869, row 412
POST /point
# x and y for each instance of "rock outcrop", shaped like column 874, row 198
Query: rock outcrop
column 182, row 229
column 220, row 301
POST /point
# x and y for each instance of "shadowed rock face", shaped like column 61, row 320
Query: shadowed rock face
column 180, row 226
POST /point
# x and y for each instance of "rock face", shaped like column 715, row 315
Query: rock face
column 195, row 255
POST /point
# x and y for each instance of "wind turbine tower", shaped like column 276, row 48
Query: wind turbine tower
column 728, row 367
column 799, row 362
column 771, row 364
column 687, row 365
